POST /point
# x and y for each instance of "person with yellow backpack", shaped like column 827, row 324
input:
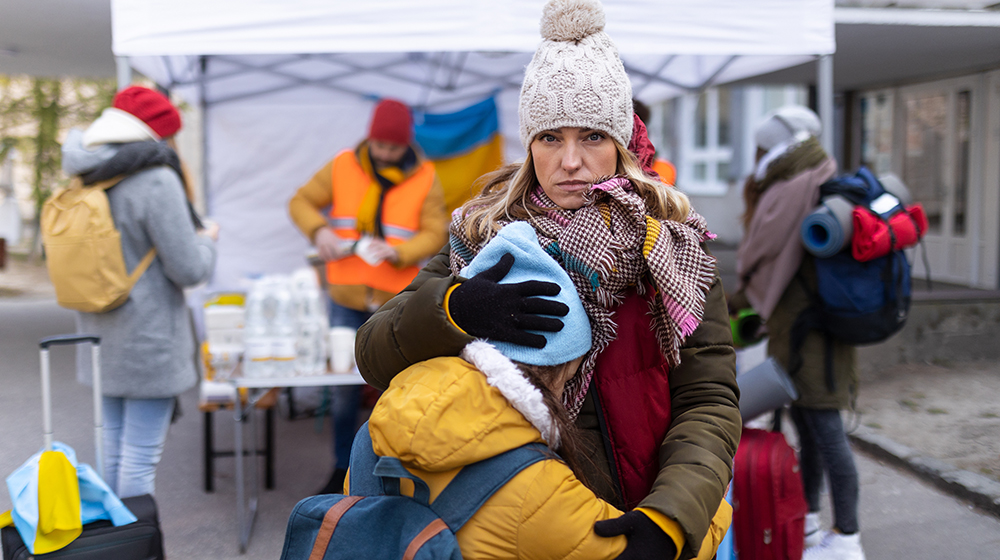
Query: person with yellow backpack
column 122, row 242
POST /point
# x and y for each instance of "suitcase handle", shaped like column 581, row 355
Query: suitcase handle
column 95, row 355
column 68, row 339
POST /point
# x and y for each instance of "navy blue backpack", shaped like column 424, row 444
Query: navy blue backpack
column 376, row 522
column 855, row 302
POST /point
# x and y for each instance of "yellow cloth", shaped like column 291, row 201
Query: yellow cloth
column 440, row 415
column 59, row 520
column 459, row 174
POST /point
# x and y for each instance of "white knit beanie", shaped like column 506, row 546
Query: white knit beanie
column 783, row 124
column 575, row 78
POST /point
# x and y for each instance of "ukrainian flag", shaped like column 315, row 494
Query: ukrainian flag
column 463, row 146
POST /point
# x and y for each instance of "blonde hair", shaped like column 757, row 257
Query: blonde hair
column 505, row 196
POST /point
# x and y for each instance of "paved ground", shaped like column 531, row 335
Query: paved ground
column 910, row 416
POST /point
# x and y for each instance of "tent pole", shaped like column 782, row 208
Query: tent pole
column 824, row 94
column 123, row 72
column 202, row 92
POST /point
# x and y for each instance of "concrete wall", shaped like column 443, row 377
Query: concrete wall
column 941, row 331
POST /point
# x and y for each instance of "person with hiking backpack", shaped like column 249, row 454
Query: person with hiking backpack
column 777, row 278
column 147, row 342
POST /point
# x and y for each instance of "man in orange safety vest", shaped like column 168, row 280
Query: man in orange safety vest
column 373, row 213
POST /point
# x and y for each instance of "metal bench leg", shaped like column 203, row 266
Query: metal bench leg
column 209, row 452
column 269, row 448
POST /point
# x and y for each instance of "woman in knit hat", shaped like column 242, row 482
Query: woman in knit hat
column 147, row 343
column 443, row 414
column 656, row 396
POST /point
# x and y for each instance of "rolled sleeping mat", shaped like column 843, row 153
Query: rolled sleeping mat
column 764, row 388
column 746, row 327
column 894, row 186
column 829, row 228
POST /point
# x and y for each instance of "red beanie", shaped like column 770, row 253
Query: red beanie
column 151, row 107
column 391, row 122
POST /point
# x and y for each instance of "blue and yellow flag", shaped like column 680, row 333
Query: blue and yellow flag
column 463, row 146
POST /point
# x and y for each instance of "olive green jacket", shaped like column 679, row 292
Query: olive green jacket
column 811, row 380
column 697, row 453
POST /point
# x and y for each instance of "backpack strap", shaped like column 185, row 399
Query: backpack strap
column 140, row 268
column 363, row 481
column 372, row 475
column 391, row 471
column 476, row 483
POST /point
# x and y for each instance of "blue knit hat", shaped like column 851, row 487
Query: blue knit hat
column 531, row 262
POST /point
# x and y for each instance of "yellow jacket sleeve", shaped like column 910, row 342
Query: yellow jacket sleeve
column 433, row 232
column 716, row 532
column 306, row 207
column 559, row 514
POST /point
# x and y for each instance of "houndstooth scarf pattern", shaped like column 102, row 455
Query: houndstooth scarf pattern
column 607, row 246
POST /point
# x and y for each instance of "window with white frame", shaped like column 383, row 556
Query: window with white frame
column 705, row 142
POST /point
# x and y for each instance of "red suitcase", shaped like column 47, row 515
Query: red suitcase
column 769, row 505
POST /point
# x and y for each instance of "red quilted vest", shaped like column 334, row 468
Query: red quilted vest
column 633, row 388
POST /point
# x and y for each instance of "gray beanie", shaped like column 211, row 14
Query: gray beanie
column 575, row 78
column 783, row 124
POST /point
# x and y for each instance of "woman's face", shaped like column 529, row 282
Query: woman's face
column 569, row 160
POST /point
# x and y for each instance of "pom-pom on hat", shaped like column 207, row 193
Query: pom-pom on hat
column 391, row 122
column 575, row 78
column 531, row 262
column 151, row 107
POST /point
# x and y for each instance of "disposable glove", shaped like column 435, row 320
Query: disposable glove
column 646, row 541
column 484, row 308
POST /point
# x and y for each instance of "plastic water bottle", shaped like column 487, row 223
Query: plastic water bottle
column 256, row 335
column 311, row 332
column 283, row 328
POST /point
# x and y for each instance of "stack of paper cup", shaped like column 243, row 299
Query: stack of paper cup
column 342, row 349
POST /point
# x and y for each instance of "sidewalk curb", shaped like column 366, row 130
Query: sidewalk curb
column 983, row 492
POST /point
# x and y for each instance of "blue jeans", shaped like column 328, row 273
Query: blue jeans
column 135, row 431
column 823, row 447
column 345, row 400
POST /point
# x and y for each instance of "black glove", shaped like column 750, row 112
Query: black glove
column 484, row 308
column 646, row 540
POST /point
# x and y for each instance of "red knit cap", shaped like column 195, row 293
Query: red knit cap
column 151, row 107
column 391, row 122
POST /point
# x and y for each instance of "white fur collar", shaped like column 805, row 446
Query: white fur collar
column 115, row 126
column 503, row 374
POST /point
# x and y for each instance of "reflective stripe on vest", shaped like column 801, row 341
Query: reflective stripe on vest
column 401, row 209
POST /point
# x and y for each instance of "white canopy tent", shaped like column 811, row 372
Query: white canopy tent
column 285, row 85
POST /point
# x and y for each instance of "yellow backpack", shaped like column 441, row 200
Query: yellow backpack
column 84, row 250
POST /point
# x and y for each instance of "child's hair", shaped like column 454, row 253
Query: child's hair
column 569, row 435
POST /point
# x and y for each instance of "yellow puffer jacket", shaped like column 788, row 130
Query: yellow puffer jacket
column 440, row 415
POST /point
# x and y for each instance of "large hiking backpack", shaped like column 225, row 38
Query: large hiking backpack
column 861, row 302
column 375, row 521
column 83, row 249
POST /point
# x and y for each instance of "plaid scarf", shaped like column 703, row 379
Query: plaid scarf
column 607, row 246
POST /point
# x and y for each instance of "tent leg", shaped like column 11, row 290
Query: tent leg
column 824, row 94
column 124, row 72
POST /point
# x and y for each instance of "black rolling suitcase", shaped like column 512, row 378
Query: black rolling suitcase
column 100, row 540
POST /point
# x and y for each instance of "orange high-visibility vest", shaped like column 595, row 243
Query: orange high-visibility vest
column 666, row 170
column 401, row 209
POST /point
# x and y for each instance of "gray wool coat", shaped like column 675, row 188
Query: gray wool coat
column 147, row 344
